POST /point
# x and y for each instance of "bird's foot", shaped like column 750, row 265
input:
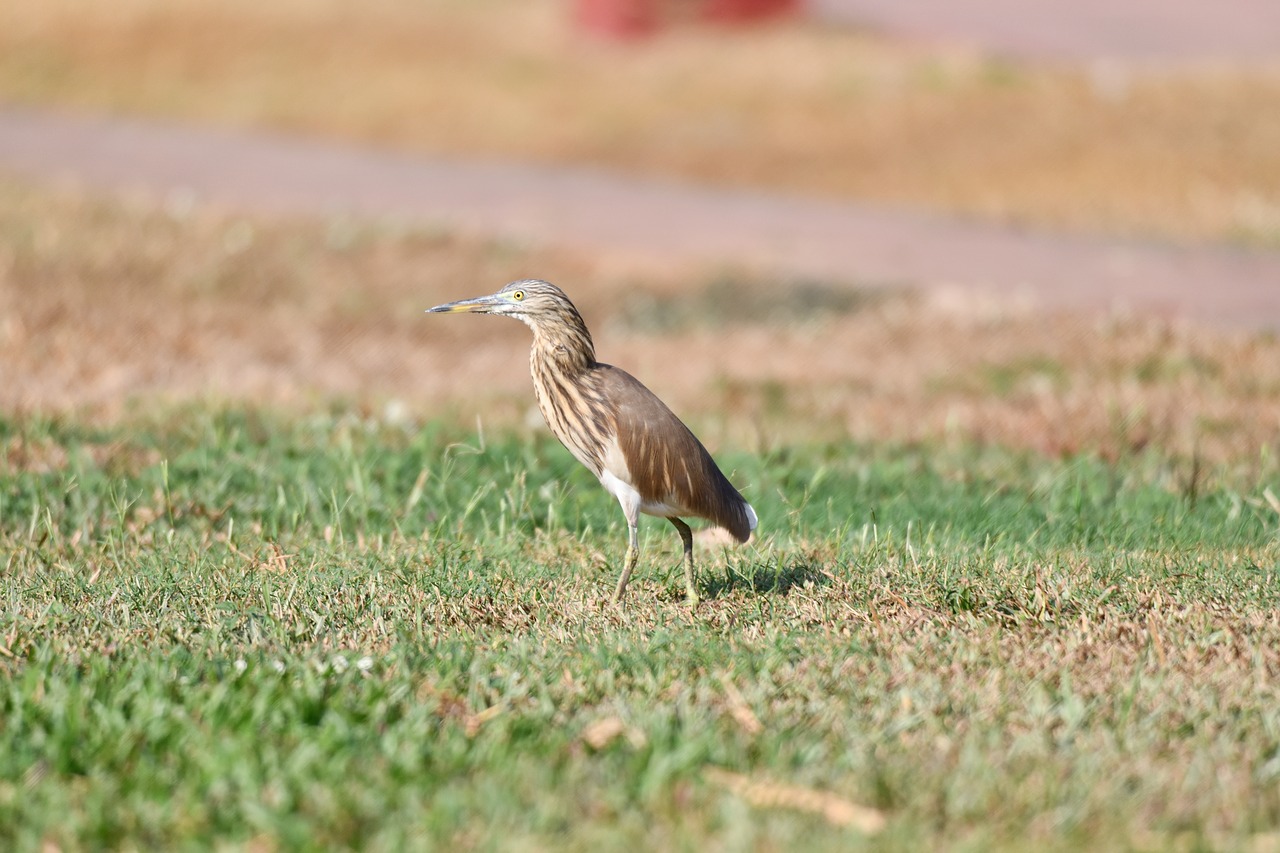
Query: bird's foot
column 632, row 555
column 690, row 580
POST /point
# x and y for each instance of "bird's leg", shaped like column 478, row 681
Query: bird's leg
column 633, row 554
column 686, row 536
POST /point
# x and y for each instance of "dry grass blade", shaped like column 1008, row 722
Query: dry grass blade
column 765, row 794
column 739, row 709
column 605, row 731
column 1264, row 842
column 1272, row 500
column 1157, row 645
column 474, row 722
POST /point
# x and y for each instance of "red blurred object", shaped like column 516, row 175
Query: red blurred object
column 628, row 19
column 733, row 11
column 622, row 19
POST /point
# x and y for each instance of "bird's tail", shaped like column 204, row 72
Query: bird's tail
column 741, row 520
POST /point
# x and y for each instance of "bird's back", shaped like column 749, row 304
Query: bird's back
column 665, row 461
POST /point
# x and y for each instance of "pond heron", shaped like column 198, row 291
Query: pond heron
column 641, row 452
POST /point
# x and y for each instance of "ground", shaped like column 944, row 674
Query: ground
column 290, row 564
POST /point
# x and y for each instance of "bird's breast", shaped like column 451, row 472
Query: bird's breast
column 577, row 416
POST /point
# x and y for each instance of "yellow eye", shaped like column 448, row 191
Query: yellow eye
column 518, row 295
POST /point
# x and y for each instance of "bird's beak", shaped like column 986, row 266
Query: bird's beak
column 479, row 305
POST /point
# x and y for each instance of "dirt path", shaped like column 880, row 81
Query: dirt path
column 849, row 242
column 1143, row 31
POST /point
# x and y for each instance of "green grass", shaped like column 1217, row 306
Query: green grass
column 240, row 628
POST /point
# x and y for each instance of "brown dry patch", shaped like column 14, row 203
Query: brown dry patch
column 102, row 305
column 33, row 456
column 834, row 809
column 1058, row 384
column 38, row 455
column 824, row 111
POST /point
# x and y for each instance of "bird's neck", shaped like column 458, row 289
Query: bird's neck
column 567, row 348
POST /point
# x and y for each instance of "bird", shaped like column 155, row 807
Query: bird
column 639, row 450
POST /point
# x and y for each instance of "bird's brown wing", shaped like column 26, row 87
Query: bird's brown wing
column 666, row 461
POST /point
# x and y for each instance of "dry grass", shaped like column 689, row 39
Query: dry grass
column 103, row 304
column 1190, row 154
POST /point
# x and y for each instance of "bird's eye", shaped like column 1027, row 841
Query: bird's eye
column 518, row 295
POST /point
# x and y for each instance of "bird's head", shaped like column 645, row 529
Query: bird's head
column 532, row 300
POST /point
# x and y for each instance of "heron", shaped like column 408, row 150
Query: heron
column 639, row 450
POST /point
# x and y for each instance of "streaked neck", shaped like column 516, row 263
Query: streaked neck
column 565, row 344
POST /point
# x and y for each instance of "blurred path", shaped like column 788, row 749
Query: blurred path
column 1145, row 31
column 845, row 241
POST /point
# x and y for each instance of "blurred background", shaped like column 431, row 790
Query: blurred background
column 1053, row 225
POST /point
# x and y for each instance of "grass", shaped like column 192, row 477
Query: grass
column 238, row 627
column 1184, row 154
column 1016, row 583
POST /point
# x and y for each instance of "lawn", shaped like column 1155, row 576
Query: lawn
column 286, row 564
column 233, row 626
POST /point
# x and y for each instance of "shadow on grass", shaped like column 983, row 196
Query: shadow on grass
column 765, row 580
